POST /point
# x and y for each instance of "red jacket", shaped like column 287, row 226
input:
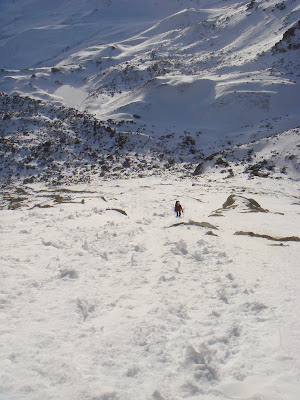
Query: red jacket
column 178, row 207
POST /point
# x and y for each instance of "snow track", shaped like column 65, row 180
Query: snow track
column 99, row 305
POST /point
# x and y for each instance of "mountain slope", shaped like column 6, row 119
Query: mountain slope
column 219, row 68
column 107, row 295
column 110, row 111
column 188, row 78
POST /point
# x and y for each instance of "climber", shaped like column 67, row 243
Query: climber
column 178, row 209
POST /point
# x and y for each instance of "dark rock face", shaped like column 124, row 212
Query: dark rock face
column 289, row 41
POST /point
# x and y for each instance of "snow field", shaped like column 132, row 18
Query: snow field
column 99, row 305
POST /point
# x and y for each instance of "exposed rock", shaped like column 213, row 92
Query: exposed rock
column 277, row 239
column 256, row 169
column 289, row 41
column 199, row 169
column 210, row 233
column 118, row 210
column 251, row 5
column 250, row 205
column 220, row 161
column 195, row 223
column 242, row 204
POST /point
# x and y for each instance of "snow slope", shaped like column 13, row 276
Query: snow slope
column 78, row 24
column 116, row 298
column 110, row 111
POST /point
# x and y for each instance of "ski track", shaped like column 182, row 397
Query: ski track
column 116, row 307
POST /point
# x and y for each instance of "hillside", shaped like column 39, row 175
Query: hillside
column 110, row 111
column 208, row 73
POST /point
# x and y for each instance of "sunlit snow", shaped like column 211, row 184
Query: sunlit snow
column 71, row 96
column 111, row 111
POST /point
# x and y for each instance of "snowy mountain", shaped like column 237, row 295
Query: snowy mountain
column 111, row 110
column 192, row 75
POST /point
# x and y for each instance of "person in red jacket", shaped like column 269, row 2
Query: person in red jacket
column 178, row 209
